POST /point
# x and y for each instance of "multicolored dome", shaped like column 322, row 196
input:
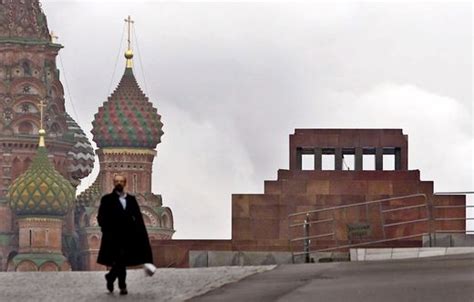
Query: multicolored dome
column 82, row 153
column 23, row 21
column 127, row 118
column 91, row 194
column 41, row 190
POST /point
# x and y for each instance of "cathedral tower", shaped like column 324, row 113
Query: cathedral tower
column 126, row 129
column 28, row 75
column 40, row 198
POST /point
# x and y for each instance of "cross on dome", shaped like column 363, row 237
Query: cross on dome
column 129, row 52
column 41, row 131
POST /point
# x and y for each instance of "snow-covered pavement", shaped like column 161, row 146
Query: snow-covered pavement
column 166, row 285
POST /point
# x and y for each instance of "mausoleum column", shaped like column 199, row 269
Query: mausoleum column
column 299, row 159
column 398, row 159
column 358, row 159
column 338, row 159
column 379, row 158
column 318, row 159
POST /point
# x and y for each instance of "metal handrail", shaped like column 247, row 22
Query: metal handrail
column 358, row 204
column 313, row 237
column 307, row 222
column 404, row 208
column 465, row 206
column 310, row 222
column 430, row 217
column 453, row 206
column 372, row 242
column 405, row 222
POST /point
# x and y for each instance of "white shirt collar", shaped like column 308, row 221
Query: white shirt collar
column 123, row 199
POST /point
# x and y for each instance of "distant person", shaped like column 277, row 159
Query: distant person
column 124, row 236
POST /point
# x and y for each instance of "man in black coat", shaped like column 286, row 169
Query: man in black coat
column 124, row 235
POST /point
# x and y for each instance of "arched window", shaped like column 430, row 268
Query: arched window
column 54, row 109
column 165, row 220
column 26, row 163
column 17, row 168
column 26, row 68
column 55, row 130
column 26, row 128
column 135, row 183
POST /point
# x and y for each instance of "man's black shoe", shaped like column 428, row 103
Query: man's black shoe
column 123, row 291
column 110, row 284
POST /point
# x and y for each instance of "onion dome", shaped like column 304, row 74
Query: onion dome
column 82, row 153
column 127, row 119
column 41, row 190
column 23, row 21
column 89, row 196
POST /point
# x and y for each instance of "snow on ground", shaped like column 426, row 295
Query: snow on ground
column 166, row 285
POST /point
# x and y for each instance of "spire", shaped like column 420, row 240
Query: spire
column 41, row 131
column 129, row 52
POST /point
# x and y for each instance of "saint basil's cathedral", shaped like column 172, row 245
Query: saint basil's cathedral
column 44, row 224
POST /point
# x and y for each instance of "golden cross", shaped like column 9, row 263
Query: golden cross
column 130, row 22
column 53, row 37
column 41, row 105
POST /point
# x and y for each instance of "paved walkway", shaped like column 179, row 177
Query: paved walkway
column 447, row 279
column 430, row 279
column 165, row 285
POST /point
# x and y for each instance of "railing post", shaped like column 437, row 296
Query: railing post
column 290, row 241
column 306, row 240
column 432, row 220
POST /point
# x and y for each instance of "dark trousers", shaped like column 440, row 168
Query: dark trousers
column 118, row 270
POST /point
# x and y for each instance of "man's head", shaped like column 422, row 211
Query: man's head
column 119, row 183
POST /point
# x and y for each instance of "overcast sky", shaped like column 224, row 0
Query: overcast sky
column 233, row 80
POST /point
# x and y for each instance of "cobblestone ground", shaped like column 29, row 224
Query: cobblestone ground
column 166, row 285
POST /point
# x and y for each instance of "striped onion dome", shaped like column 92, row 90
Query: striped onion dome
column 127, row 118
column 41, row 190
column 82, row 154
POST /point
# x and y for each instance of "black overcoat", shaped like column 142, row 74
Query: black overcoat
column 124, row 235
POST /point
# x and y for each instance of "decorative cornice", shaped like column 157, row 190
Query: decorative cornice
column 29, row 42
column 160, row 229
column 40, row 219
column 31, row 142
column 133, row 151
column 94, row 230
column 40, row 257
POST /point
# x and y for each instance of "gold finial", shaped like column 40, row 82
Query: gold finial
column 53, row 37
column 41, row 131
column 129, row 52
